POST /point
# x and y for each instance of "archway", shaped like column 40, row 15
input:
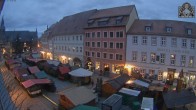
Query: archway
column 77, row 62
column 89, row 64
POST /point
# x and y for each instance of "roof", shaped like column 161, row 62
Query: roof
column 141, row 83
column 119, row 81
column 32, row 82
column 129, row 92
column 175, row 99
column 147, row 103
column 54, row 62
column 21, row 72
column 24, row 35
column 33, row 69
column 73, row 24
column 112, row 12
column 64, row 70
column 112, row 100
column 85, row 107
column 159, row 28
column 80, row 72
column 40, row 74
column 79, row 95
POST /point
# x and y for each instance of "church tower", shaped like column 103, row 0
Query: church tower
column 2, row 31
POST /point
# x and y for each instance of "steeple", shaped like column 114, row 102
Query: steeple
column 2, row 26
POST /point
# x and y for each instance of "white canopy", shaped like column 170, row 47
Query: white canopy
column 129, row 92
column 80, row 72
column 147, row 103
column 141, row 83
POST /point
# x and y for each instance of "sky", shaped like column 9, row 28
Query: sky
column 32, row 14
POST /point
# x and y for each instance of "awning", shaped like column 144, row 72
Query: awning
column 147, row 103
column 141, row 83
column 80, row 72
column 64, row 70
column 41, row 75
column 32, row 82
column 34, row 69
column 129, row 92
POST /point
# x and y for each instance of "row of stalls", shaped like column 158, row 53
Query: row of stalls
column 31, row 78
column 61, row 71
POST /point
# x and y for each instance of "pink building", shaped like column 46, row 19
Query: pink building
column 105, row 38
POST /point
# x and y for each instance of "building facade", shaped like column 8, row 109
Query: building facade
column 105, row 38
column 163, row 48
column 64, row 40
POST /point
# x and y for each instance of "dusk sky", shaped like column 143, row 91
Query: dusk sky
column 32, row 14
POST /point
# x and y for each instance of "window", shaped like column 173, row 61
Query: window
column 119, row 34
column 119, row 19
column 111, row 56
column 111, row 34
column 105, row 34
column 118, row 57
column 168, row 29
column 153, row 41
column 162, row 58
column 163, row 41
column 148, row 28
column 119, row 45
column 104, row 55
column 134, row 56
column 174, row 42
column 68, row 48
column 183, row 60
column 144, row 56
column 152, row 57
column 98, row 44
column 73, row 38
column 192, row 44
column 105, row 44
column 65, row 48
column 76, row 49
column 98, row 55
column 111, row 45
column 191, row 61
column 76, row 37
column 80, row 37
column 184, row 43
column 80, row 49
column 189, row 31
column 151, row 72
column 144, row 40
column 87, row 35
column 88, row 44
column 172, row 59
column 98, row 34
column 62, row 47
column 93, row 34
column 65, row 38
column 135, row 40
column 68, row 39
column 93, row 44
column 93, row 54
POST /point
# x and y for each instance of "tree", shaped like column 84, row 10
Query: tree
column 17, row 45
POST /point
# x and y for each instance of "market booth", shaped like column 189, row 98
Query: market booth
column 64, row 73
column 147, row 103
column 81, row 76
column 75, row 96
column 40, row 75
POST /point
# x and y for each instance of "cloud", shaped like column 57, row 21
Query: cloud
column 29, row 14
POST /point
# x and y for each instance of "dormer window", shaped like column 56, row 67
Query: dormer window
column 189, row 31
column 103, row 21
column 119, row 20
column 168, row 29
column 90, row 22
column 148, row 28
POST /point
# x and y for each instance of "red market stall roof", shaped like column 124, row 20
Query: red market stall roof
column 32, row 82
column 64, row 70
column 12, row 62
column 34, row 69
column 20, row 72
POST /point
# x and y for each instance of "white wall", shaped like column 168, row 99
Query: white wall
column 168, row 50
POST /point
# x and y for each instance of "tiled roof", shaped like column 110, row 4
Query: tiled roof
column 112, row 12
column 73, row 24
column 159, row 28
column 24, row 35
